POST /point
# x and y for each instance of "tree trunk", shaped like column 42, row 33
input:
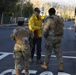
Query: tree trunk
column 2, row 18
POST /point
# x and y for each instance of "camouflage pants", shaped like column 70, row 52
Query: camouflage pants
column 50, row 45
column 21, row 54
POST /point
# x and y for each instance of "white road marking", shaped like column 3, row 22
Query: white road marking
column 69, row 28
column 4, row 54
column 69, row 52
column 6, row 71
column 14, row 72
column 46, row 73
column 32, row 72
column 63, row 73
column 73, row 57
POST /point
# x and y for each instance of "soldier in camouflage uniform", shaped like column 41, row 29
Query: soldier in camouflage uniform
column 21, row 48
column 75, row 26
column 53, row 35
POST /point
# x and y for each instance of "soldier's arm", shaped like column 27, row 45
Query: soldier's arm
column 12, row 36
column 31, row 35
column 50, row 24
column 46, row 28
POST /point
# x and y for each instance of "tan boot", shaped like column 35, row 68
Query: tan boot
column 26, row 71
column 44, row 65
column 61, row 67
column 17, row 72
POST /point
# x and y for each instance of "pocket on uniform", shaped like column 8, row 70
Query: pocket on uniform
column 17, row 55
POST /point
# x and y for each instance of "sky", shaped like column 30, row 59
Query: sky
column 70, row 2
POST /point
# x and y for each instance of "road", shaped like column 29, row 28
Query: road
column 68, row 48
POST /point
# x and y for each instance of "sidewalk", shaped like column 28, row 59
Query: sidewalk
column 14, row 24
column 2, row 25
column 11, row 25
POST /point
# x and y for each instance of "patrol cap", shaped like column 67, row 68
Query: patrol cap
column 37, row 10
column 21, row 19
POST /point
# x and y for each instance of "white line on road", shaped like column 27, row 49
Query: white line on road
column 62, row 73
column 33, row 72
column 6, row 71
column 4, row 54
column 13, row 71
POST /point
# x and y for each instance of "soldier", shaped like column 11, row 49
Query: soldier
column 75, row 26
column 53, row 31
column 21, row 47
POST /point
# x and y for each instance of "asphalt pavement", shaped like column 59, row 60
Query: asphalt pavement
column 68, row 48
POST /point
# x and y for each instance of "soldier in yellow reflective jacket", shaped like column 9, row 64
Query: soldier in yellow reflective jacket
column 35, row 25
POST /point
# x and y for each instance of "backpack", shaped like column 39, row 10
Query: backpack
column 58, row 30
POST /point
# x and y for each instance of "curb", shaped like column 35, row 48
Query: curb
column 10, row 26
column 4, row 25
column 7, row 25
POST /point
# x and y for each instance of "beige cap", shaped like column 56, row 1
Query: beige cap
column 21, row 19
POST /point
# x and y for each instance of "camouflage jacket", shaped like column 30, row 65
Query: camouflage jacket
column 21, row 35
column 52, row 27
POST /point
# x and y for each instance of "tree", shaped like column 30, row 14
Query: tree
column 7, row 6
column 27, row 9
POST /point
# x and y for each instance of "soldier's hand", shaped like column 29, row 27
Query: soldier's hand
column 41, row 28
column 75, row 26
column 42, row 25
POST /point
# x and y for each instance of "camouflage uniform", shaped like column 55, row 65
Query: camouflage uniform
column 75, row 26
column 21, row 47
column 52, row 40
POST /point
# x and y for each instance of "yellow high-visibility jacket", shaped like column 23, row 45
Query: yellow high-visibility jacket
column 35, row 24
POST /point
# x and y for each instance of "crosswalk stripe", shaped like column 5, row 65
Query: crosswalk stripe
column 6, row 54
